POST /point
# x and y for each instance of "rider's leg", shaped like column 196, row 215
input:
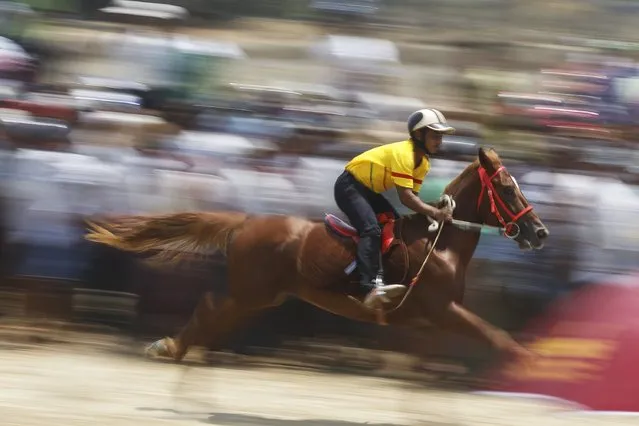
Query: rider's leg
column 380, row 204
column 353, row 203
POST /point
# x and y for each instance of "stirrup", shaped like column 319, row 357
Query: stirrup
column 378, row 282
column 373, row 298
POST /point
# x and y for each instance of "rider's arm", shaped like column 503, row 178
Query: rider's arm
column 402, row 165
column 412, row 201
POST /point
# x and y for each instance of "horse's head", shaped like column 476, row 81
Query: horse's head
column 501, row 203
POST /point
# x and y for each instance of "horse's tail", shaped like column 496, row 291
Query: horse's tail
column 169, row 237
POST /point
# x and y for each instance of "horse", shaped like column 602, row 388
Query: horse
column 270, row 257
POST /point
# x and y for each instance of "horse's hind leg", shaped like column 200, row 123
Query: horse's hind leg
column 208, row 316
column 210, row 323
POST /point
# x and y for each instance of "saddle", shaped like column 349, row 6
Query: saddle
column 342, row 229
column 345, row 231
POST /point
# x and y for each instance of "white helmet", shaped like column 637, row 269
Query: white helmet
column 430, row 118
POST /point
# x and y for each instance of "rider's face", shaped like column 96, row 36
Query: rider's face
column 433, row 141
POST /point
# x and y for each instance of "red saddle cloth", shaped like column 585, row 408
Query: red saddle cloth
column 344, row 230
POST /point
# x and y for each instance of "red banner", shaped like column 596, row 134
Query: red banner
column 589, row 347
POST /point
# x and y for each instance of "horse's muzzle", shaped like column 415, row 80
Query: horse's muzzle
column 541, row 233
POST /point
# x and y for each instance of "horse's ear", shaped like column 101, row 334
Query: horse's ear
column 484, row 160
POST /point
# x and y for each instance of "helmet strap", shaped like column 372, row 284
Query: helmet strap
column 419, row 138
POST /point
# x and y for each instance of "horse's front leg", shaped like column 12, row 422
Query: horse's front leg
column 454, row 317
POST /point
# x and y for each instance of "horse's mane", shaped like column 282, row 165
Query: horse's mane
column 457, row 181
column 454, row 185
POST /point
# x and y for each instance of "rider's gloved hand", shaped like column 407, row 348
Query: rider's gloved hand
column 443, row 215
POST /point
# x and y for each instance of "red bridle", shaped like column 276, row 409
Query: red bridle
column 511, row 229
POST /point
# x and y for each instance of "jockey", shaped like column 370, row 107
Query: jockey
column 402, row 165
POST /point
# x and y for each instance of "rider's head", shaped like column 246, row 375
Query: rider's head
column 426, row 128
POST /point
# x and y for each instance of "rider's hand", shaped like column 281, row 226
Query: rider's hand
column 443, row 215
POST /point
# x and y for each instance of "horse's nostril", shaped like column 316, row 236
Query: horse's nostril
column 542, row 233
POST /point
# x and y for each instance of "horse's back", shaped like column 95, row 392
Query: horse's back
column 276, row 229
column 263, row 257
column 291, row 236
column 274, row 238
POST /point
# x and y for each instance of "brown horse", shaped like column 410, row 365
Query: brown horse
column 272, row 256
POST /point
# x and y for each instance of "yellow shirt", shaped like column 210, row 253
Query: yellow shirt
column 387, row 166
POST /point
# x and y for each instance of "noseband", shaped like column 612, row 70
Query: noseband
column 511, row 229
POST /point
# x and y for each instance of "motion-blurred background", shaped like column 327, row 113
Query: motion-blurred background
column 136, row 107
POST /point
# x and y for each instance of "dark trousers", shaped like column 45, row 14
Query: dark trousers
column 361, row 206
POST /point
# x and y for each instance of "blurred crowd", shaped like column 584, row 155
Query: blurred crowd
column 102, row 117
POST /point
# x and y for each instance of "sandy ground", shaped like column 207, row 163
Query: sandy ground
column 87, row 385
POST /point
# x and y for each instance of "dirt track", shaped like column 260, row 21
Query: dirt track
column 62, row 385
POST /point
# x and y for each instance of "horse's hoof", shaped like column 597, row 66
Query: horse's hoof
column 163, row 348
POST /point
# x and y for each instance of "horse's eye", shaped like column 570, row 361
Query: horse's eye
column 509, row 191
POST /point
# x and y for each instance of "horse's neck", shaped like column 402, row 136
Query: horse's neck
column 459, row 243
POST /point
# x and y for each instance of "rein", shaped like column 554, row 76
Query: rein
column 509, row 229
column 414, row 280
